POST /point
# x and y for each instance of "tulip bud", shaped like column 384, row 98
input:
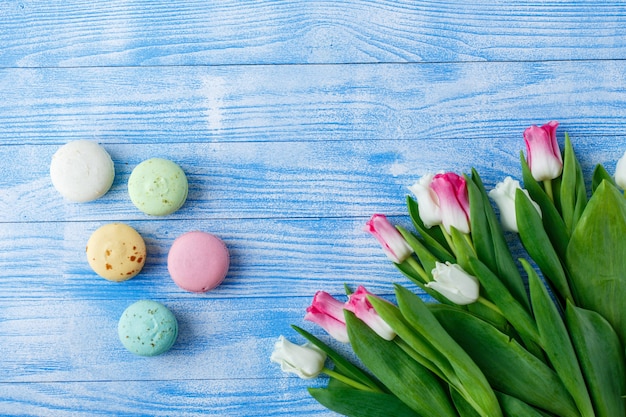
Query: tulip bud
column 427, row 201
column 392, row 242
column 451, row 281
column 306, row 361
column 543, row 154
column 451, row 190
column 504, row 196
column 327, row 312
column 620, row 172
column 363, row 309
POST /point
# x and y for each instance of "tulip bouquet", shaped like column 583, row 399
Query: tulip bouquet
column 542, row 335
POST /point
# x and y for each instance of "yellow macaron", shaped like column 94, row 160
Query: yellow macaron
column 116, row 252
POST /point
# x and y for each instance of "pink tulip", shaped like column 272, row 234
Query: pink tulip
column 363, row 309
column 327, row 312
column 543, row 154
column 451, row 191
column 392, row 242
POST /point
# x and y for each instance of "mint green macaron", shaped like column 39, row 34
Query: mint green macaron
column 158, row 187
column 147, row 328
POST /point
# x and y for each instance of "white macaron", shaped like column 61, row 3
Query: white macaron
column 82, row 171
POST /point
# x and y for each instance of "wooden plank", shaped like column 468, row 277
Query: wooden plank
column 310, row 102
column 219, row 340
column 251, row 397
column 269, row 258
column 269, row 180
column 81, row 33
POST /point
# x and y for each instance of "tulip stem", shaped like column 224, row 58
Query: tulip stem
column 348, row 381
column 418, row 268
column 547, row 185
column 448, row 238
column 490, row 305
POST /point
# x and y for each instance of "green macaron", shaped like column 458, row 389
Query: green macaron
column 158, row 187
column 147, row 328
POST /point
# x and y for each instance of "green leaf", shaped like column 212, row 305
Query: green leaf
column 355, row 403
column 489, row 241
column 471, row 381
column 552, row 221
column 411, row 382
column 596, row 257
column 538, row 245
column 423, row 351
column 601, row 358
column 433, row 237
column 426, row 258
column 557, row 344
column 573, row 193
column 512, row 310
column 515, row 408
column 508, row 367
column 342, row 365
column 463, row 249
column 600, row 174
column 479, row 225
column 462, row 406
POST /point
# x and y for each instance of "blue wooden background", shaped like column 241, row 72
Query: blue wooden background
column 295, row 121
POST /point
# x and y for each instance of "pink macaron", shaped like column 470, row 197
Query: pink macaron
column 198, row 261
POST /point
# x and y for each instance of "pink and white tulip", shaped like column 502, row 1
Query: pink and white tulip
column 451, row 190
column 363, row 309
column 327, row 312
column 542, row 151
column 392, row 242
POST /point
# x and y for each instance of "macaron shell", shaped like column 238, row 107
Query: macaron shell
column 116, row 252
column 158, row 187
column 198, row 261
column 147, row 328
column 82, row 171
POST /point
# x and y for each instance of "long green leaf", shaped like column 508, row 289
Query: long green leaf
column 355, row 403
column 573, row 193
column 556, row 342
column 538, row 245
column 411, row 382
column 431, row 358
column 514, row 312
column 515, row 408
column 489, row 241
column 458, row 373
column 463, row 407
column 471, row 379
column 508, row 367
column 552, row 220
column 600, row 174
column 596, row 257
column 601, row 358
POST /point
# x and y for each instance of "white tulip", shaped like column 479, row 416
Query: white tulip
column 451, row 281
column 620, row 172
column 504, row 196
column 427, row 201
column 306, row 361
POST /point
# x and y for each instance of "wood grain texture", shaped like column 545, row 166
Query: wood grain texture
column 81, row 33
column 310, row 102
column 294, row 121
